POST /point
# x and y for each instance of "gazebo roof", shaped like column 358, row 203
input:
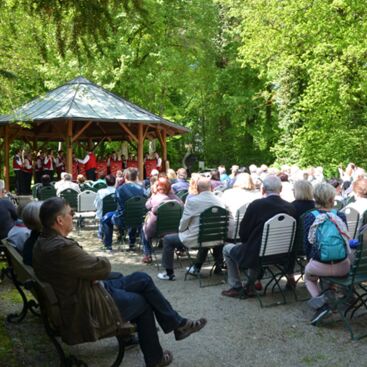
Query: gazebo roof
column 82, row 100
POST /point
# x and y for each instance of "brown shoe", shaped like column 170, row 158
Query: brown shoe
column 167, row 359
column 147, row 260
column 190, row 327
column 232, row 292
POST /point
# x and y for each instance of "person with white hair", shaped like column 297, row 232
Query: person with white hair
column 67, row 184
column 246, row 254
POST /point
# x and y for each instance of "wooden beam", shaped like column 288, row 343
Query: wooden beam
column 6, row 158
column 102, row 140
column 80, row 132
column 69, row 146
column 128, row 131
column 141, row 151
column 145, row 132
column 164, row 149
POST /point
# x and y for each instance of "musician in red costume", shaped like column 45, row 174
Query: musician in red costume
column 90, row 163
column 17, row 168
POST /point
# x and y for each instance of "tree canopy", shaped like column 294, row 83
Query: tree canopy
column 256, row 81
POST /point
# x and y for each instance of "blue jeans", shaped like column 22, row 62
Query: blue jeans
column 139, row 300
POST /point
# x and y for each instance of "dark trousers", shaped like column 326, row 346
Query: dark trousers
column 107, row 231
column 18, row 182
column 172, row 242
column 139, row 300
column 27, row 180
column 91, row 174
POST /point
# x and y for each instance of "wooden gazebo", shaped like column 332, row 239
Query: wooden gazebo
column 82, row 111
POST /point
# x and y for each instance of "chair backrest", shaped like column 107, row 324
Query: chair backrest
column 71, row 197
column 240, row 213
column 278, row 235
column 99, row 185
column 218, row 193
column 46, row 192
column 338, row 204
column 109, row 204
column 359, row 265
column 182, row 194
column 352, row 220
column 134, row 212
column 86, row 201
column 213, row 225
column 168, row 218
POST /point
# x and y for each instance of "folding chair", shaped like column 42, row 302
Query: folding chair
column 338, row 204
column 109, row 204
column 240, row 213
column 99, row 185
column 71, row 197
column 86, row 207
column 169, row 215
column 134, row 213
column 213, row 229
column 46, row 192
column 354, row 289
column 352, row 220
column 182, row 194
column 276, row 251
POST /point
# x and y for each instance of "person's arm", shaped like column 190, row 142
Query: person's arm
column 309, row 219
column 83, row 161
column 84, row 266
column 248, row 223
column 186, row 216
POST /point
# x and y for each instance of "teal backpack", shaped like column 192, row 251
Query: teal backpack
column 329, row 240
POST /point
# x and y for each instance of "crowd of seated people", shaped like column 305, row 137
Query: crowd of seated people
column 265, row 191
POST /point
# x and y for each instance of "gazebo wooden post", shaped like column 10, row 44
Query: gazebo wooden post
column 141, row 151
column 6, row 158
column 69, row 146
column 164, row 149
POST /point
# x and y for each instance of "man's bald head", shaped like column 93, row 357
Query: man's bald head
column 204, row 184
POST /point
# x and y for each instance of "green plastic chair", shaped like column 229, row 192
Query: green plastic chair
column 354, row 289
column 109, row 204
column 99, row 185
column 213, row 230
column 182, row 194
column 71, row 197
column 169, row 215
column 134, row 212
column 46, row 192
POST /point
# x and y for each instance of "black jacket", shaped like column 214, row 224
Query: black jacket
column 251, row 227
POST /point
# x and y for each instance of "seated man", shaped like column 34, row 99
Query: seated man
column 98, row 204
column 126, row 191
column 8, row 213
column 246, row 254
column 189, row 231
column 67, row 184
column 84, row 286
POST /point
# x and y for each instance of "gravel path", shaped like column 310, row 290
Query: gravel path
column 238, row 333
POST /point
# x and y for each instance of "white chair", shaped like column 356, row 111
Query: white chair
column 240, row 213
column 352, row 220
column 86, row 207
column 276, row 249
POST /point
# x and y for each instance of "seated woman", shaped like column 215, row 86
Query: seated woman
column 242, row 193
column 303, row 194
column 324, row 195
column 160, row 194
column 360, row 194
column 32, row 221
column 215, row 179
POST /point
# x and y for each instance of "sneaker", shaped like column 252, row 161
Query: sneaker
column 165, row 276
column 317, row 302
column 232, row 292
column 192, row 270
column 166, row 359
column 322, row 313
column 191, row 326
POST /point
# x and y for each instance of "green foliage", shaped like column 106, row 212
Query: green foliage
column 255, row 81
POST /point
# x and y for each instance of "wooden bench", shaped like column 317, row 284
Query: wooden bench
column 47, row 303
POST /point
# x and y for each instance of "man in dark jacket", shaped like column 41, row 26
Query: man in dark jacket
column 246, row 255
column 92, row 301
column 8, row 213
